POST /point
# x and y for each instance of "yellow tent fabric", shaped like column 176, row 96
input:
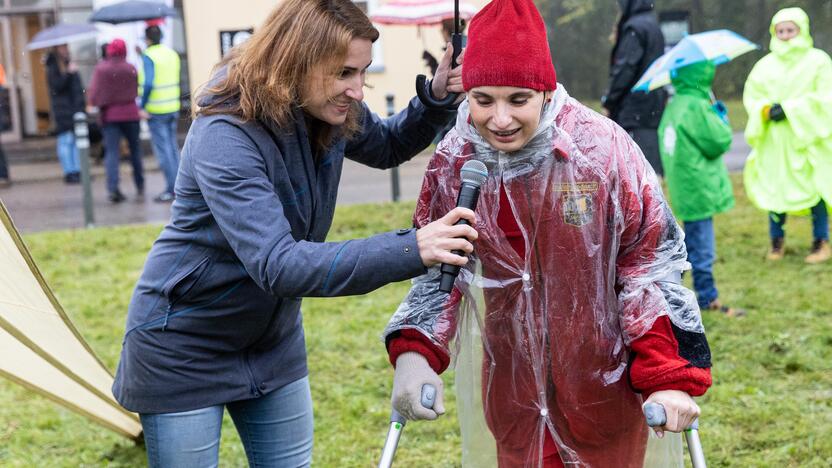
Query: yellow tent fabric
column 41, row 349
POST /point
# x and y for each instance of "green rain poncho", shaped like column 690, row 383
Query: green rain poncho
column 790, row 166
column 692, row 139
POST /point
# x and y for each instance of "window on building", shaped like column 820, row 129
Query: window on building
column 367, row 6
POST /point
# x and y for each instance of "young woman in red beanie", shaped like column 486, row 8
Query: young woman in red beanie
column 573, row 314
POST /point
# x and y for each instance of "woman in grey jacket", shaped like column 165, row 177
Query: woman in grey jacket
column 215, row 318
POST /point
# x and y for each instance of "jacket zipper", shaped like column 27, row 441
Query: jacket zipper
column 173, row 285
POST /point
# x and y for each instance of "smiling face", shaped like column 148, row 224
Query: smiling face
column 505, row 116
column 328, row 98
column 786, row 30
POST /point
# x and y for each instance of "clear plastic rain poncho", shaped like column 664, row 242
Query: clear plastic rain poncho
column 540, row 343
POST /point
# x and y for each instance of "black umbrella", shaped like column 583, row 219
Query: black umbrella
column 423, row 88
column 132, row 10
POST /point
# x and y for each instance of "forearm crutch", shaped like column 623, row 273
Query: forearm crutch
column 397, row 422
column 656, row 417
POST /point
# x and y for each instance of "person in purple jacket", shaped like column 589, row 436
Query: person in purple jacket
column 113, row 90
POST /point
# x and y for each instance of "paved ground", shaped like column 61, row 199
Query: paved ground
column 735, row 158
column 39, row 200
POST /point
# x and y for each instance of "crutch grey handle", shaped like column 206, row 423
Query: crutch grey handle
column 397, row 422
column 656, row 417
column 428, row 398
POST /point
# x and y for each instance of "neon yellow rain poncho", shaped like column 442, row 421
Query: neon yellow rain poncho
column 790, row 166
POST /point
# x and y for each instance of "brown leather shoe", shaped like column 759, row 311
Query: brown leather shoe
column 718, row 306
column 821, row 252
column 778, row 249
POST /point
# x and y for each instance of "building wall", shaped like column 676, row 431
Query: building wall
column 19, row 22
column 204, row 19
column 401, row 46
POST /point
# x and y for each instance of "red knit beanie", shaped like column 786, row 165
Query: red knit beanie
column 116, row 48
column 507, row 46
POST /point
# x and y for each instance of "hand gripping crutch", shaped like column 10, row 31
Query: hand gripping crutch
column 655, row 415
column 397, row 423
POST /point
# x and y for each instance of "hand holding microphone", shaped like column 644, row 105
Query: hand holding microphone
column 473, row 174
column 441, row 240
column 448, row 239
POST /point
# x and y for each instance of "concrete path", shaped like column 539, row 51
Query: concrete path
column 40, row 201
column 735, row 157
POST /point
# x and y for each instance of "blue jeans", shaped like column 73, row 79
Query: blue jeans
column 165, row 145
column 701, row 245
column 112, row 133
column 68, row 152
column 276, row 431
column 820, row 223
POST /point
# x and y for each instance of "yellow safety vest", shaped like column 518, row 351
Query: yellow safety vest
column 164, row 96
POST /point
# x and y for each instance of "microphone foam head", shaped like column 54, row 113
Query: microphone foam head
column 473, row 172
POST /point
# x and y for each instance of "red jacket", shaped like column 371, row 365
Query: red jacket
column 567, row 320
column 113, row 89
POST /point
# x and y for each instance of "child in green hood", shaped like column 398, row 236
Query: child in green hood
column 693, row 136
column 789, row 104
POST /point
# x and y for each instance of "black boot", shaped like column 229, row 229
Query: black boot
column 117, row 197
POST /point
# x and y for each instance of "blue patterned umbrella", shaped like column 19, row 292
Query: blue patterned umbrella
column 718, row 46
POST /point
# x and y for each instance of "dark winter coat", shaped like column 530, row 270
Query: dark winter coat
column 639, row 42
column 215, row 316
column 65, row 92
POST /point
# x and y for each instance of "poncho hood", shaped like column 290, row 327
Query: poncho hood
column 695, row 79
column 803, row 40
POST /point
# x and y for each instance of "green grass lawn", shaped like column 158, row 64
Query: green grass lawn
column 771, row 404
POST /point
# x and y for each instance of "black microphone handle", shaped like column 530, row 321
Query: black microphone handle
column 468, row 196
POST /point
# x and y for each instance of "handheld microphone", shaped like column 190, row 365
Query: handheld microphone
column 473, row 174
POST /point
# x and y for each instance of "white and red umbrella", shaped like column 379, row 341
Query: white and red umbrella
column 420, row 12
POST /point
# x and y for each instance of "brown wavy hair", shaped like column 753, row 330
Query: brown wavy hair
column 265, row 76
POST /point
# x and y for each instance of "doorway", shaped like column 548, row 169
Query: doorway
column 25, row 74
